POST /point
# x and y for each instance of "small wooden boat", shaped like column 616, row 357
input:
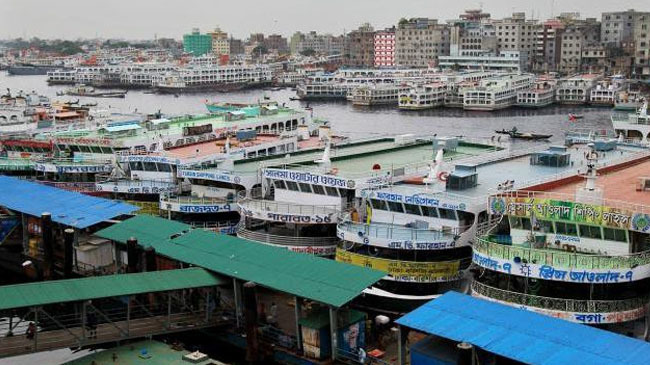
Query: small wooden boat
column 293, row 98
column 575, row 116
column 513, row 133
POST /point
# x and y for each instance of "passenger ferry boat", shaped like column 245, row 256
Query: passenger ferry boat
column 574, row 250
column 628, row 100
column 633, row 126
column 540, row 95
column 606, row 91
column 421, row 97
column 224, row 78
column 496, row 93
column 387, row 94
column 576, row 89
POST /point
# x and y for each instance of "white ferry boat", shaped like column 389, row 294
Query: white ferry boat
column 421, row 97
column 606, row 91
column 576, row 89
column 628, row 100
column 633, row 126
column 574, row 250
column 496, row 93
column 197, row 78
column 540, row 95
column 387, row 94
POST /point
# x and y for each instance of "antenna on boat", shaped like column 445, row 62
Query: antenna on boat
column 228, row 163
column 590, row 193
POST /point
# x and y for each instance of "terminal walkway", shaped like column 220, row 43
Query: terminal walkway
column 89, row 311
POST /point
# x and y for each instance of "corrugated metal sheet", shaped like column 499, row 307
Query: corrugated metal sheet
column 69, row 208
column 147, row 229
column 325, row 281
column 523, row 335
column 71, row 290
column 306, row 276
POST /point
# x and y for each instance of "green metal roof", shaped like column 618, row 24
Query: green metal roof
column 145, row 228
column 323, row 280
column 71, row 290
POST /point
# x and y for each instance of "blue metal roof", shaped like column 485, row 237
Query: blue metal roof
column 523, row 335
column 68, row 208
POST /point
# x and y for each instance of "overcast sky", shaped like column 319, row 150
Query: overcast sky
column 144, row 19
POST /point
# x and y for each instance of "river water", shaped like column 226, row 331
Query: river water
column 356, row 122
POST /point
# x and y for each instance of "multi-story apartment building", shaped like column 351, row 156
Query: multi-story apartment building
column 517, row 34
column 276, row 42
column 642, row 46
column 359, row 47
column 578, row 35
column 547, row 46
column 420, row 41
column 617, row 27
column 197, row 44
column 472, row 34
column 220, row 43
column 236, row 46
column 385, row 48
column 325, row 44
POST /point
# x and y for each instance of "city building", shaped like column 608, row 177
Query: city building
column 547, row 47
column 420, row 41
column 472, row 34
column 618, row 27
column 517, row 34
column 276, row 42
column 197, row 44
column 510, row 61
column 359, row 47
column 578, row 35
column 236, row 46
column 385, row 48
column 642, row 46
column 323, row 44
column 220, row 43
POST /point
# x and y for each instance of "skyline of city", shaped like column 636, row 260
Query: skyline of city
column 143, row 20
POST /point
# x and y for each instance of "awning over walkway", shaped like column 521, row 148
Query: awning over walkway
column 322, row 280
column 523, row 335
column 69, row 208
column 72, row 290
column 147, row 229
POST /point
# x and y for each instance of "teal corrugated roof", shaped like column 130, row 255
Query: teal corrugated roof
column 71, row 290
column 523, row 335
column 145, row 228
column 326, row 281
column 323, row 280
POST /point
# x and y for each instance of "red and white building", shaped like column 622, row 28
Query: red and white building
column 385, row 48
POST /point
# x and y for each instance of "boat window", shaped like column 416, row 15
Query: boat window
column 395, row 207
column 612, row 234
column 566, row 228
column 447, row 213
column 305, row 188
column 429, row 211
column 164, row 167
column 544, row 226
column 106, row 150
column 412, row 209
column 85, row 149
column 590, row 232
column 292, row 186
column 279, row 184
column 136, row 166
column 319, row 189
column 331, row 191
column 525, row 224
column 150, row 166
column 96, row 149
column 378, row 204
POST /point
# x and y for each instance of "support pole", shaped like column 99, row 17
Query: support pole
column 298, row 314
column 48, row 245
column 132, row 255
column 238, row 301
column 83, row 320
column 250, row 313
column 402, row 335
column 36, row 330
column 333, row 331
column 68, row 257
column 207, row 305
column 169, row 310
column 128, row 315
column 465, row 353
